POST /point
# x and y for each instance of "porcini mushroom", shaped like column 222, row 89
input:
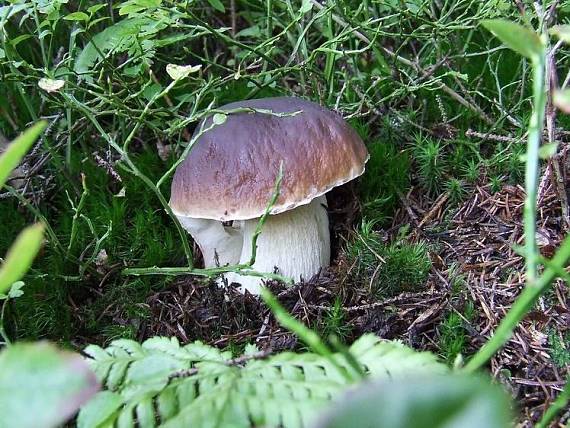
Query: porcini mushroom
column 229, row 177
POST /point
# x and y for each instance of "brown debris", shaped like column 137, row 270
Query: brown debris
column 475, row 240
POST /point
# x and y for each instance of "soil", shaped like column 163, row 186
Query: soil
column 478, row 236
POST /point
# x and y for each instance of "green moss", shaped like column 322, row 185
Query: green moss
column 64, row 298
column 559, row 348
column 333, row 323
column 453, row 332
column 388, row 268
column 431, row 163
column 386, row 176
column 456, row 190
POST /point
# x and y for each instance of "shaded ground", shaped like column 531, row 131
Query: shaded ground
column 473, row 261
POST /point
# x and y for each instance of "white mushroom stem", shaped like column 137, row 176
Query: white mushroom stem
column 220, row 245
column 296, row 242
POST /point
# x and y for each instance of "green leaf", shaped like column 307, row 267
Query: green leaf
column 21, row 255
column 95, row 8
column 562, row 32
column 10, row 159
column 6, row 12
column 99, row 410
column 217, row 4
column 198, row 385
column 119, row 37
column 136, row 6
column 41, row 386
column 306, row 6
column 16, row 290
column 561, row 100
column 17, row 40
column 220, row 118
column 516, row 37
column 432, row 402
column 77, row 16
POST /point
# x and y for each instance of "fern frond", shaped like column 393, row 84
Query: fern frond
column 163, row 383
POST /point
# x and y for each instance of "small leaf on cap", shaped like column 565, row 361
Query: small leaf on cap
column 51, row 85
column 177, row 72
column 220, row 118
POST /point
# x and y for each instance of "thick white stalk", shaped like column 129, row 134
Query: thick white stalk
column 220, row 245
column 296, row 243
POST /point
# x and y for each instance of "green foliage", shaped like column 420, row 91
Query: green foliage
column 559, row 348
column 200, row 386
column 453, row 333
column 518, row 38
column 496, row 184
column 471, row 171
column 131, row 35
column 18, row 149
column 130, row 227
column 385, row 178
column 388, row 269
column 21, row 255
column 431, row 163
column 456, row 190
column 334, row 322
column 41, row 386
column 426, row 402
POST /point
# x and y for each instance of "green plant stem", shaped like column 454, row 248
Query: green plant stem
column 3, row 334
column 243, row 269
column 132, row 168
column 304, row 333
column 80, row 206
column 263, row 218
column 522, row 305
column 559, row 404
column 531, row 181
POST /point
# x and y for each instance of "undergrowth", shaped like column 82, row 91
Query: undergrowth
column 388, row 268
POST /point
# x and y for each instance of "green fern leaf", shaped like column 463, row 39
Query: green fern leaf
column 163, row 383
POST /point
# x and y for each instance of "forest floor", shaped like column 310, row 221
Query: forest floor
column 473, row 260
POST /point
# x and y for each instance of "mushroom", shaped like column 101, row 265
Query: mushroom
column 224, row 185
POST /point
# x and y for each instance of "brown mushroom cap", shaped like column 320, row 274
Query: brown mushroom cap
column 230, row 172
